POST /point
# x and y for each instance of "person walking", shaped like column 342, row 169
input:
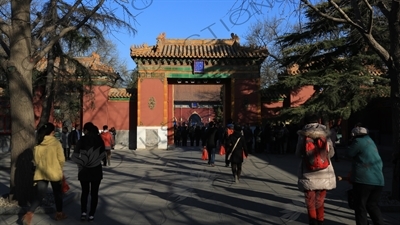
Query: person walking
column 228, row 132
column 315, row 182
column 108, row 143
column 211, row 142
column 366, row 176
column 65, row 142
column 48, row 156
column 237, row 147
column 89, row 153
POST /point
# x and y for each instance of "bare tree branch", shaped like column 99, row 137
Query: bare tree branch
column 335, row 19
column 64, row 31
column 346, row 17
column 384, row 9
column 5, row 28
column 371, row 17
column 5, row 47
column 380, row 50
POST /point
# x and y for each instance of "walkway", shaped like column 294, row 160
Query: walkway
column 173, row 187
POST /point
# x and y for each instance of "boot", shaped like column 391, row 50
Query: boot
column 312, row 222
column 109, row 162
column 320, row 222
column 27, row 218
column 236, row 179
column 60, row 216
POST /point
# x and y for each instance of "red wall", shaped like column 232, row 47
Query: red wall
column 303, row 95
column 151, row 88
column 185, row 113
column 270, row 110
column 113, row 113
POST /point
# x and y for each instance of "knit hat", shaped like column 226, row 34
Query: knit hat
column 230, row 126
column 357, row 131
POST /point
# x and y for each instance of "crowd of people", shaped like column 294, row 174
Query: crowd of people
column 313, row 143
column 91, row 151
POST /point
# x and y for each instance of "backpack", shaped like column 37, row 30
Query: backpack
column 316, row 153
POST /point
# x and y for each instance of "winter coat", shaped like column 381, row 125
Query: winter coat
column 211, row 137
column 366, row 166
column 107, row 139
column 64, row 139
column 324, row 179
column 237, row 155
column 89, row 154
column 74, row 136
column 49, row 160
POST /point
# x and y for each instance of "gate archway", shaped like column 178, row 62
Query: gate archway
column 172, row 62
column 195, row 120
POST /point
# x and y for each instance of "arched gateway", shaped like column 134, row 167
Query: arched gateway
column 200, row 62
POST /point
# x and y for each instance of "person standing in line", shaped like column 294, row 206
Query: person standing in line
column 184, row 134
column 108, row 143
column 88, row 155
column 65, row 142
column 248, row 136
column 334, row 138
column 114, row 135
column 315, row 183
column 74, row 136
column 48, row 156
column 366, row 176
column 257, row 139
column 211, row 142
column 197, row 135
column 237, row 147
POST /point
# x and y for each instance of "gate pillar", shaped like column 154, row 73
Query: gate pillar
column 152, row 113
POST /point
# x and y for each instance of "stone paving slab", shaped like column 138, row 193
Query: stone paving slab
column 172, row 187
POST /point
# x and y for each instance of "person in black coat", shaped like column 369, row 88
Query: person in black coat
column 237, row 147
column 88, row 156
column 211, row 142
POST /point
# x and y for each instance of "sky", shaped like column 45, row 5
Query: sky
column 198, row 19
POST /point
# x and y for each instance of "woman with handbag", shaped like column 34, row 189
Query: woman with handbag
column 88, row 155
column 48, row 156
column 237, row 148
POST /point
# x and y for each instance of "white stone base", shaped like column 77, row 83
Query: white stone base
column 152, row 137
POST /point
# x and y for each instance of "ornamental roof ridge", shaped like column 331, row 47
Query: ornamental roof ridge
column 192, row 48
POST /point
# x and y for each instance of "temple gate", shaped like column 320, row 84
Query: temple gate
column 173, row 62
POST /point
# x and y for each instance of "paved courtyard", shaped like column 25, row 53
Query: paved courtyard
column 177, row 187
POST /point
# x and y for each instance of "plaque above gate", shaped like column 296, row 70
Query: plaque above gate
column 198, row 66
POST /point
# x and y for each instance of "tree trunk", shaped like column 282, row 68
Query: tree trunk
column 48, row 95
column 19, row 72
column 394, row 72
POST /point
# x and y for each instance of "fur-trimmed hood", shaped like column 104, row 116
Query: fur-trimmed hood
column 314, row 130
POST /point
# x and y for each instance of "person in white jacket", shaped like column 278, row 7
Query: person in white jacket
column 314, row 184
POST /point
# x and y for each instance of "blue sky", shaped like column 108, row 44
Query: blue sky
column 196, row 18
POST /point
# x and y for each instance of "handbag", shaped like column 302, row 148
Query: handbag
column 64, row 185
column 222, row 150
column 233, row 149
column 204, row 155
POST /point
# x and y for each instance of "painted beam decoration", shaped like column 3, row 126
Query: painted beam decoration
column 198, row 66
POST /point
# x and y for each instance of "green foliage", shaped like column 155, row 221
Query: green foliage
column 337, row 62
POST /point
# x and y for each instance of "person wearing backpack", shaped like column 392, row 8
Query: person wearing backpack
column 315, row 173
